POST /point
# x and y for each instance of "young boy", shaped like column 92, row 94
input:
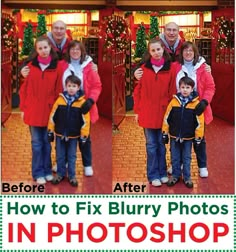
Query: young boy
column 183, row 125
column 69, row 124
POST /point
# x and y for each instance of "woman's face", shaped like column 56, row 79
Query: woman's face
column 43, row 48
column 75, row 52
column 188, row 54
column 156, row 50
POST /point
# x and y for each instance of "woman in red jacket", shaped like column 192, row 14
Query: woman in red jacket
column 151, row 97
column 192, row 64
column 77, row 62
column 37, row 95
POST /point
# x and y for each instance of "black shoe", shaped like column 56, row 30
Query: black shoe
column 73, row 182
column 188, row 183
column 172, row 181
column 57, row 179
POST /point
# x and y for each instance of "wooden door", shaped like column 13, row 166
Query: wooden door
column 111, row 69
column 223, row 63
column 118, row 88
column 6, row 78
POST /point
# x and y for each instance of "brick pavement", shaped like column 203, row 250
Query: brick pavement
column 129, row 160
column 16, row 158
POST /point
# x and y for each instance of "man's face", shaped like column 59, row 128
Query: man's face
column 171, row 33
column 58, row 31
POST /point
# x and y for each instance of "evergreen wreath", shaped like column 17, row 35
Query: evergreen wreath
column 223, row 32
column 8, row 32
column 115, row 32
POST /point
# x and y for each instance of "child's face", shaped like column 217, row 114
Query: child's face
column 156, row 50
column 72, row 88
column 43, row 49
column 185, row 90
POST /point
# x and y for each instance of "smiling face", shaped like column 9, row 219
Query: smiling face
column 171, row 33
column 75, row 52
column 43, row 48
column 156, row 50
column 58, row 31
column 188, row 53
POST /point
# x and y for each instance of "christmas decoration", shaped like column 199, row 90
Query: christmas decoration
column 41, row 28
column 114, row 31
column 8, row 32
column 28, row 42
column 141, row 45
column 154, row 26
column 223, row 32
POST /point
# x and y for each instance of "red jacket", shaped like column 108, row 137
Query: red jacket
column 39, row 92
column 205, row 86
column 92, row 85
column 152, row 95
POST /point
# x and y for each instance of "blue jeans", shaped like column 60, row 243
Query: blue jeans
column 41, row 152
column 201, row 154
column 156, row 154
column 181, row 153
column 66, row 152
column 86, row 153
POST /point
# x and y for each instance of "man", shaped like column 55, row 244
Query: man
column 172, row 43
column 58, row 40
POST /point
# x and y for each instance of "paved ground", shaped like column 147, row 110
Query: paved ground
column 16, row 158
column 129, row 160
column 120, row 158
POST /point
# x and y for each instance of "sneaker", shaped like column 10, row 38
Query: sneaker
column 41, row 180
column 203, row 172
column 54, row 168
column 49, row 178
column 73, row 182
column 164, row 180
column 88, row 171
column 156, row 182
column 188, row 183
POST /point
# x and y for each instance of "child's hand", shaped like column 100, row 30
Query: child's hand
column 50, row 136
column 82, row 139
column 165, row 138
column 196, row 143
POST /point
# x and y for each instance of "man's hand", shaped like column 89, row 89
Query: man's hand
column 208, row 68
column 25, row 71
column 138, row 73
column 136, row 118
column 95, row 67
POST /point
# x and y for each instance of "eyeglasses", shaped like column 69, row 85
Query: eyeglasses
column 188, row 50
column 75, row 49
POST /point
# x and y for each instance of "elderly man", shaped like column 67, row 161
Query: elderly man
column 58, row 40
column 172, row 43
